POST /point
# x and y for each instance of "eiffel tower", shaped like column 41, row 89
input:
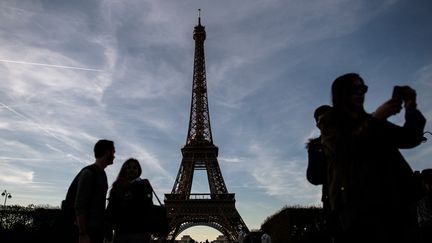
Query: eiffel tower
column 216, row 209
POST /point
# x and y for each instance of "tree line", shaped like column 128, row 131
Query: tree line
column 291, row 224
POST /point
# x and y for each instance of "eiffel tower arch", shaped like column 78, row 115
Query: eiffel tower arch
column 217, row 208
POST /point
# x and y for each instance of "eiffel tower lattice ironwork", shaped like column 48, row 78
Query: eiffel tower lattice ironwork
column 216, row 209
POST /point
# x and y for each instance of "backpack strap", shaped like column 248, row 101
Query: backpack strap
column 156, row 197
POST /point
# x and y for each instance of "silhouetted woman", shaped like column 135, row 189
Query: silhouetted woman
column 129, row 198
column 370, row 184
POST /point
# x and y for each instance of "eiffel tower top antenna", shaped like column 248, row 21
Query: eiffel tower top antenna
column 199, row 131
column 199, row 16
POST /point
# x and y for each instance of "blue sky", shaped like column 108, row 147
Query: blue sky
column 73, row 72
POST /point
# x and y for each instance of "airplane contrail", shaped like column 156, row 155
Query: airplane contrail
column 46, row 131
column 51, row 65
column 31, row 121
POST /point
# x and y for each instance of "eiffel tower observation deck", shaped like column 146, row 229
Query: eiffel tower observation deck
column 217, row 208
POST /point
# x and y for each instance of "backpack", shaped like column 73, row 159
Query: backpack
column 67, row 205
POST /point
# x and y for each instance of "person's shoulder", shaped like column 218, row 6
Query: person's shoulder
column 88, row 168
column 142, row 183
column 89, row 171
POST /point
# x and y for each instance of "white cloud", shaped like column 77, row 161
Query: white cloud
column 4, row 125
column 278, row 176
column 425, row 75
column 232, row 159
column 11, row 174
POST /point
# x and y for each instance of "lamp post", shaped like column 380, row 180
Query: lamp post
column 7, row 195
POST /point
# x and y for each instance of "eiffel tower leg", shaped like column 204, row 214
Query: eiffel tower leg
column 174, row 234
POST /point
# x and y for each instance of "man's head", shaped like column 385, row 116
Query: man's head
column 321, row 110
column 104, row 150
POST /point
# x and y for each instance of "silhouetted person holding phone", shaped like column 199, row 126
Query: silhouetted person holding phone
column 91, row 194
column 370, row 185
column 129, row 201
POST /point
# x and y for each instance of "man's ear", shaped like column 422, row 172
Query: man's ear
column 107, row 153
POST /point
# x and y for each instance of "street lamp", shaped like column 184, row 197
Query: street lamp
column 7, row 195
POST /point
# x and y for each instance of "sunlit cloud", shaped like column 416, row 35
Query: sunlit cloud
column 15, row 175
column 4, row 125
column 231, row 159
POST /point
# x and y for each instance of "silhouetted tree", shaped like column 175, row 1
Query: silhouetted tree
column 297, row 225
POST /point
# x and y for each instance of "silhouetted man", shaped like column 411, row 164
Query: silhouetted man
column 91, row 194
column 316, row 172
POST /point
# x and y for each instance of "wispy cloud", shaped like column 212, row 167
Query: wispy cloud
column 39, row 126
column 232, row 159
column 425, row 75
column 11, row 174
